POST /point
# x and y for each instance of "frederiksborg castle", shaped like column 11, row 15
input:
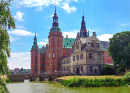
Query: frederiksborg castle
column 83, row 54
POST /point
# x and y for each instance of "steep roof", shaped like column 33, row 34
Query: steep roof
column 68, row 42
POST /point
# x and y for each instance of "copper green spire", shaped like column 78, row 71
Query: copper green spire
column 55, row 24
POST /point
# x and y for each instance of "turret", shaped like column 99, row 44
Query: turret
column 83, row 30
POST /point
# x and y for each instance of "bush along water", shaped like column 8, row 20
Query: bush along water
column 82, row 82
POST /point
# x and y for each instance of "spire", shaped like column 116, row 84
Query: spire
column 83, row 30
column 35, row 41
column 55, row 7
column 55, row 24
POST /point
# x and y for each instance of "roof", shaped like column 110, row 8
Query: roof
column 105, row 44
column 68, row 42
column 55, row 29
column 66, row 56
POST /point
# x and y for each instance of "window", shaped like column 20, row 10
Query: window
column 53, row 38
column 53, row 68
column 105, row 55
column 97, row 45
column 73, row 69
column 77, row 47
column 77, row 57
column 53, row 61
column 67, row 68
column 106, row 61
column 58, row 48
column 66, row 50
column 67, row 43
column 73, row 58
column 95, row 70
column 58, row 55
column 99, row 56
column 53, row 49
column 58, row 38
column 53, row 43
column 92, row 45
column 90, row 55
column 82, row 68
column 91, row 68
column 67, row 61
column 99, row 68
column 81, row 56
column 64, row 61
column 53, row 55
column 111, row 61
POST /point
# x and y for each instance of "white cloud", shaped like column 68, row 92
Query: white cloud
column 20, row 60
column 124, row 25
column 21, row 32
column 13, row 39
column 20, row 27
column 71, row 34
column 105, row 37
column 43, row 43
column 45, row 3
column 19, row 16
column 68, row 9
column 38, row 9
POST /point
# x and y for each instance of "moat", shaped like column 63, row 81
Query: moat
column 54, row 87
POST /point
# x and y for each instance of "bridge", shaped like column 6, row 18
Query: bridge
column 32, row 77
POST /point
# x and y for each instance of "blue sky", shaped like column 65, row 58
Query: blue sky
column 105, row 17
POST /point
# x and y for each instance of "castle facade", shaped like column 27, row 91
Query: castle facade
column 81, row 55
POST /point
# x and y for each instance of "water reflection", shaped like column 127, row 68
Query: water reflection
column 53, row 87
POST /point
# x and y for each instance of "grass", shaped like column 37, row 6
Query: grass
column 96, row 82
column 90, row 77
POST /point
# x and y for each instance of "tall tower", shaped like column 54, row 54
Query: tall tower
column 34, row 56
column 55, row 46
column 83, row 30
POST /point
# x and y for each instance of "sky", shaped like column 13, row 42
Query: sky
column 105, row 17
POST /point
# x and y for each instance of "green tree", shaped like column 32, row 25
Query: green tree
column 119, row 50
column 6, row 22
column 108, row 70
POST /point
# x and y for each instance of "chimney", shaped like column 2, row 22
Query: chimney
column 94, row 33
column 67, row 36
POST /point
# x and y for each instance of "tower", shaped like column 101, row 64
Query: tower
column 34, row 56
column 83, row 30
column 55, row 46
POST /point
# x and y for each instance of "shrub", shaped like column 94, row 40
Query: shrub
column 127, row 74
column 7, row 80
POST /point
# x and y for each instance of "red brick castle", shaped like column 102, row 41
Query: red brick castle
column 48, row 59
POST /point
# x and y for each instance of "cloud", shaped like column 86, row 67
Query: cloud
column 20, row 27
column 19, row 16
column 50, row 16
column 13, row 39
column 124, row 25
column 43, row 43
column 20, row 32
column 38, row 9
column 71, row 34
column 20, row 60
column 68, row 9
column 38, row 4
column 105, row 37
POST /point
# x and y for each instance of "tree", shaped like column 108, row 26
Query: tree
column 6, row 22
column 108, row 70
column 119, row 50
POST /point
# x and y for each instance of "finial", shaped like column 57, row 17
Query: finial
column 35, row 32
column 55, row 6
column 83, row 12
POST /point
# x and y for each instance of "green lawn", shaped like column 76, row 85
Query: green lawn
column 90, row 77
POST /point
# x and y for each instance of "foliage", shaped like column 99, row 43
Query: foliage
column 127, row 74
column 7, row 80
column 82, row 82
column 108, row 70
column 3, row 88
column 119, row 50
column 6, row 22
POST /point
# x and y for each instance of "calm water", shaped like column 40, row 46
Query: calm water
column 53, row 87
